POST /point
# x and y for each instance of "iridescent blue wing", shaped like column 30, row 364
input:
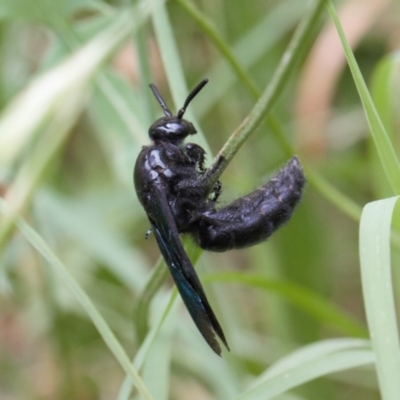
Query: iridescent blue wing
column 182, row 271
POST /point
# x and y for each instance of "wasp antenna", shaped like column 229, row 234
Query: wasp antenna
column 192, row 94
column 159, row 98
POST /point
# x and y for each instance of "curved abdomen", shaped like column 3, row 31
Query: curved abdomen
column 253, row 218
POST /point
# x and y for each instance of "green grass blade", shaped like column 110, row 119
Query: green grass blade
column 157, row 358
column 87, row 226
column 343, row 203
column 141, row 354
column 314, row 351
column 379, row 300
column 271, row 93
column 45, row 112
column 173, row 68
column 299, row 297
column 32, row 10
column 108, row 336
column 383, row 145
column 385, row 90
column 46, row 96
column 385, row 93
column 307, row 364
column 249, row 49
column 159, row 274
column 209, row 29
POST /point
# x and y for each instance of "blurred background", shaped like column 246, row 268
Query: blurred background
column 76, row 107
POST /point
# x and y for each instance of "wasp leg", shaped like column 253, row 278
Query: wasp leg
column 216, row 191
column 196, row 155
column 252, row 218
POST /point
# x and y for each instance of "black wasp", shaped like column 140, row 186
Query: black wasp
column 168, row 181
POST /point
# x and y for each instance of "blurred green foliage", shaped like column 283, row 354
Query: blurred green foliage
column 76, row 106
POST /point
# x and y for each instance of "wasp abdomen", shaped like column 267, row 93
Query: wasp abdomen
column 253, row 218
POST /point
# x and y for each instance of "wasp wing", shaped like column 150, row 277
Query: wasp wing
column 182, row 271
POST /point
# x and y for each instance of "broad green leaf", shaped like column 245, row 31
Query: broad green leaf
column 375, row 229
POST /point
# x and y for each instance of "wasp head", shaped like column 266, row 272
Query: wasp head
column 173, row 128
